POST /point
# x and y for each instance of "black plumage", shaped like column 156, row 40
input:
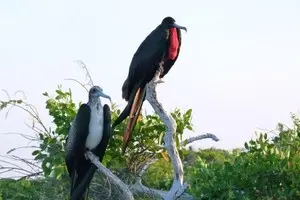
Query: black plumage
column 153, row 54
column 90, row 130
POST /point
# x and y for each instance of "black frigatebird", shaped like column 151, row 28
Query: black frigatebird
column 159, row 51
column 90, row 130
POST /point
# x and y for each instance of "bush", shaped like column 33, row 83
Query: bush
column 268, row 169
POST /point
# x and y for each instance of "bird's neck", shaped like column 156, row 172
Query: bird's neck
column 94, row 103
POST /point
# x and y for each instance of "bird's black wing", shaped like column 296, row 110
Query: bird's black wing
column 144, row 59
column 77, row 135
column 75, row 147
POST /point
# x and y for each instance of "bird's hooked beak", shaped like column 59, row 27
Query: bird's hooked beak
column 178, row 26
column 102, row 94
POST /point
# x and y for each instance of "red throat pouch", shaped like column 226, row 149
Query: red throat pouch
column 174, row 43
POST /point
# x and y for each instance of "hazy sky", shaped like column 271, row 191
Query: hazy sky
column 238, row 68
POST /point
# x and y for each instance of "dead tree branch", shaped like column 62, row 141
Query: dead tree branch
column 126, row 193
column 199, row 137
column 177, row 188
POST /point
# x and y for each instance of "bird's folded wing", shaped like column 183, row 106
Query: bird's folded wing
column 152, row 46
column 79, row 131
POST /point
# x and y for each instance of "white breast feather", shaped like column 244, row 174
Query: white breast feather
column 96, row 128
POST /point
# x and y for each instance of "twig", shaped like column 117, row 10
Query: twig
column 87, row 73
column 28, row 137
column 72, row 79
column 23, row 147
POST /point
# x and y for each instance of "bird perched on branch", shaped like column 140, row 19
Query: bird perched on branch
column 158, row 51
column 90, row 130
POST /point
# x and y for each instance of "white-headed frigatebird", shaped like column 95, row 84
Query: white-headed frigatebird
column 159, row 51
column 90, row 130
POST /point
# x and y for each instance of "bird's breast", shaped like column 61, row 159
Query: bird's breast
column 95, row 128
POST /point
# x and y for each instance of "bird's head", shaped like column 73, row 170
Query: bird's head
column 169, row 22
column 96, row 92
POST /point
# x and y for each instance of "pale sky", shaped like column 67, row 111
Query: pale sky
column 238, row 67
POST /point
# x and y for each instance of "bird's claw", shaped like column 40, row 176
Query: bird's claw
column 159, row 81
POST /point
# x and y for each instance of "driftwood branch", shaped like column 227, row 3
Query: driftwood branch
column 178, row 187
column 126, row 193
column 138, row 187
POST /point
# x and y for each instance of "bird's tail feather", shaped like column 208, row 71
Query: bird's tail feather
column 134, row 114
column 125, row 113
column 80, row 192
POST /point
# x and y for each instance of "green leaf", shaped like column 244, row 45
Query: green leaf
column 35, row 152
column 246, row 145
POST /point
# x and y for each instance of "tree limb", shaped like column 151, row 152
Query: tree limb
column 177, row 188
column 144, row 167
column 199, row 137
column 126, row 193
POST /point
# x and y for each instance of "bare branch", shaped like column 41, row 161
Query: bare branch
column 146, row 166
column 22, row 92
column 138, row 187
column 31, row 170
column 22, row 147
column 28, row 108
column 199, row 137
column 31, row 175
column 5, row 91
column 83, row 66
column 177, row 188
column 71, row 79
column 126, row 193
column 143, row 169
column 28, row 137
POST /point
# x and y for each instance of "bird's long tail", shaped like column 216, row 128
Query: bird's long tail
column 125, row 113
column 134, row 114
column 80, row 192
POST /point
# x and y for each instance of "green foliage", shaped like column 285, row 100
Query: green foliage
column 159, row 175
column 19, row 190
column 269, row 169
column 51, row 152
column 209, row 155
column 145, row 144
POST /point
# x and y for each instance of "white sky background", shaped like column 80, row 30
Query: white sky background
column 238, row 68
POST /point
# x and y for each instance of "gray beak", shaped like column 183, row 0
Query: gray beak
column 179, row 27
column 101, row 94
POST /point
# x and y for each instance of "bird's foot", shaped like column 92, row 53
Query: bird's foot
column 158, row 81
